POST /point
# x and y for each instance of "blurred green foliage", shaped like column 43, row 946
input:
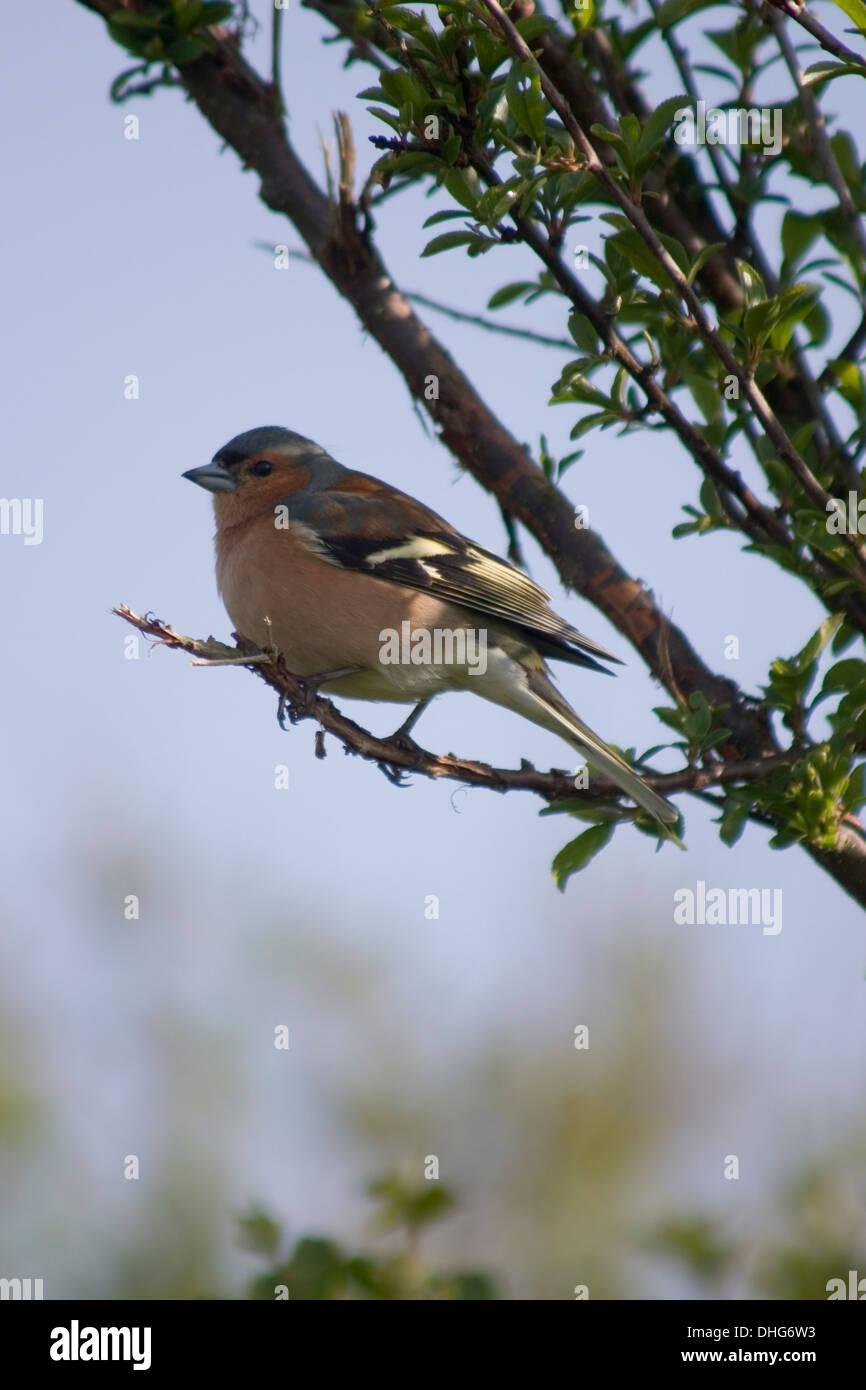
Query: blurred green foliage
column 316, row 1267
column 821, row 1239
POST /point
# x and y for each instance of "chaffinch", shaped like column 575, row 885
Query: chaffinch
column 375, row 597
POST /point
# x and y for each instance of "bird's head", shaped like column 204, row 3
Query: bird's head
column 258, row 468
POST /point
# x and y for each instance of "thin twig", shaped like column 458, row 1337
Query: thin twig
column 741, row 213
column 490, row 325
column 458, row 315
column 277, row 58
column 821, row 145
column 800, row 15
column 501, row 24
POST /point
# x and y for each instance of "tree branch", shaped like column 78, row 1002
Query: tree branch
column 796, row 10
column 399, row 752
column 501, row 24
column 680, row 207
column 820, row 139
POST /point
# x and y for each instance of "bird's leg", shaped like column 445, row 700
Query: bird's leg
column 403, row 733
column 403, row 736
column 310, row 692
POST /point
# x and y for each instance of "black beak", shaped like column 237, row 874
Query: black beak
column 213, row 476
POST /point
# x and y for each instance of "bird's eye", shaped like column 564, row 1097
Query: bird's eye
column 262, row 468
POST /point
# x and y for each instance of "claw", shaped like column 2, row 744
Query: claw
column 397, row 776
column 309, row 694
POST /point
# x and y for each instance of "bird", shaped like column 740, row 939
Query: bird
column 369, row 594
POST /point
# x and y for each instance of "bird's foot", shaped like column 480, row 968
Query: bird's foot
column 399, row 776
column 298, row 706
column 403, row 736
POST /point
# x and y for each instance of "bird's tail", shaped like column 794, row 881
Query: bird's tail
column 545, row 706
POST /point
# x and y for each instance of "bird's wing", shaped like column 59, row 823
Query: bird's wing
column 362, row 524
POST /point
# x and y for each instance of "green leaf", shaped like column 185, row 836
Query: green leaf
column 702, row 258
column 447, row 215
column 215, row 11
column 672, row 11
column 182, row 51
column 712, row 70
column 389, row 117
column 630, row 127
column 737, row 43
column 525, row 102
column 463, row 188
column 404, row 1204
column 116, row 91
column 674, row 717
column 799, row 231
column 855, row 792
column 317, row 1269
column 759, row 320
column 658, row 123
column 848, row 160
column 795, row 305
column 697, row 725
column 753, row 285
column 706, row 394
column 589, row 422
column 376, row 94
column 137, row 19
column 712, row 502
column 586, row 810
column 490, row 52
column 573, row 385
column 577, row 853
column 611, row 137
column 583, row 16
column 404, row 89
column 566, row 461
column 826, row 72
column 259, row 1232
column 734, row 816
column 632, row 247
column 474, row 1286
column 508, row 293
column 855, row 10
column 850, row 384
column 583, row 333
column 818, row 641
column 447, row 241
column 533, row 25
column 845, row 675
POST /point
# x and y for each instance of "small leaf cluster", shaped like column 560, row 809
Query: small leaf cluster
column 318, row 1267
column 175, row 32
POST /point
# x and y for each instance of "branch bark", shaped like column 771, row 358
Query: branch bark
column 796, row 10
column 397, row 752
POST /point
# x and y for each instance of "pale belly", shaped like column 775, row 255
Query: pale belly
column 406, row 645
